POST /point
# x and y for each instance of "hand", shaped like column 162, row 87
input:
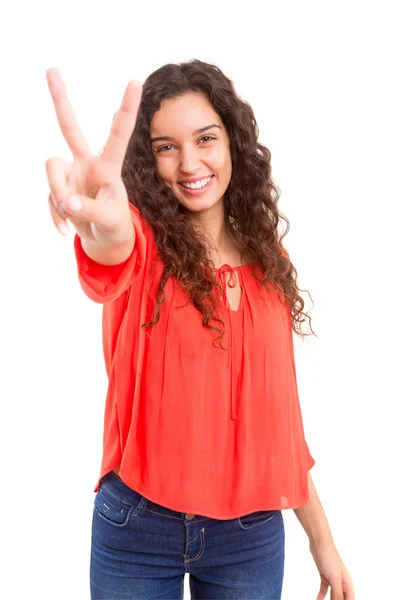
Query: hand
column 333, row 572
column 103, row 216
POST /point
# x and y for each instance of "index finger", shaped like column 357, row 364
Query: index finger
column 123, row 125
column 66, row 116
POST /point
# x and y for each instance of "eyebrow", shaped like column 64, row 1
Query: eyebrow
column 166, row 138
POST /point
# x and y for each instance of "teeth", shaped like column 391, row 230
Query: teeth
column 198, row 185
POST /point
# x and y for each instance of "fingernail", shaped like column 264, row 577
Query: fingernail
column 74, row 204
column 63, row 229
column 61, row 210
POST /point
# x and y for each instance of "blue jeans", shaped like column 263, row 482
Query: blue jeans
column 142, row 550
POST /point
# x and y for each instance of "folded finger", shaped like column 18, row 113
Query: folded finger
column 59, row 222
column 57, row 171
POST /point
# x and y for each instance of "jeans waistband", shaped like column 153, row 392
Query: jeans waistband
column 130, row 495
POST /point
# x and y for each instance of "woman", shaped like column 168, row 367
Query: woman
column 176, row 235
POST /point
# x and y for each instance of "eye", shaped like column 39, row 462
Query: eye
column 163, row 148
column 205, row 137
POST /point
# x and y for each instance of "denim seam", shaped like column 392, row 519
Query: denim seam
column 193, row 540
column 100, row 514
column 158, row 513
column 200, row 552
column 137, row 511
column 116, row 497
column 171, row 517
column 257, row 524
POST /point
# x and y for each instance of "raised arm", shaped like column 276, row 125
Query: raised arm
column 89, row 191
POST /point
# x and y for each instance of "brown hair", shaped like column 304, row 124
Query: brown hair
column 250, row 200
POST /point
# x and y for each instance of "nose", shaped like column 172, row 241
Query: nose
column 190, row 160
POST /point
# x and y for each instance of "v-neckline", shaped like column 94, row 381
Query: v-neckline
column 237, row 271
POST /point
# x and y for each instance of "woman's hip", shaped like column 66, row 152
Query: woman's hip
column 138, row 544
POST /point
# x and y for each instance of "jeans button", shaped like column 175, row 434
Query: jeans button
column 189, row 516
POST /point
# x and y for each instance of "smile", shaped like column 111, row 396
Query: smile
column 197, row 187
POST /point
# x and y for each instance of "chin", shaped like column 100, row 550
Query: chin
column 199, row 205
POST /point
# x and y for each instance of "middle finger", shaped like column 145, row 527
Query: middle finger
column 123, row 125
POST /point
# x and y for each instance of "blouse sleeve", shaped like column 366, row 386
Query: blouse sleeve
column 307, row 458
column 105, row 283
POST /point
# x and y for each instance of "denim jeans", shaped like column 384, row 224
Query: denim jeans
column 142, row 550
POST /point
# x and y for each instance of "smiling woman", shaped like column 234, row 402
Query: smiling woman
column 192, row 126
column 224, row 438
column 204, row 444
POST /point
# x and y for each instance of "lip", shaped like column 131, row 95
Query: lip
column 199, row 192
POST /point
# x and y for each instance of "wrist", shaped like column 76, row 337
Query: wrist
column 111, row 254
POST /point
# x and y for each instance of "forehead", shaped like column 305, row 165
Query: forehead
column 183, row 115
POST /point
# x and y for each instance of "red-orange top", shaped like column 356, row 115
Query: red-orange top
column 195, row 428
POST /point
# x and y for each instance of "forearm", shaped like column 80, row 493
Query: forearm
column 313, row 519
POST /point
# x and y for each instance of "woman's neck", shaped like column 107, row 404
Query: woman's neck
column 221, row 246
column 212, row 224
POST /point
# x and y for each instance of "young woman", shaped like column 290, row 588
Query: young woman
column 177, row 236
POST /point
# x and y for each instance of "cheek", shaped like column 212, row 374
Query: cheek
column 220, row 160
column 164, row 170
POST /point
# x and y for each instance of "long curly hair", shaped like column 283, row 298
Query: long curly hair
column 250, row 201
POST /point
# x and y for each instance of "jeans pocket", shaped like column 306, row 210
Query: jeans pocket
column 256, row 518
column 112, row 509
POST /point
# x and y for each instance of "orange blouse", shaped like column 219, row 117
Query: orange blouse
column 195, row 428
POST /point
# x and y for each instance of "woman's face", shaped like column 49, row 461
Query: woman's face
column 187, row 154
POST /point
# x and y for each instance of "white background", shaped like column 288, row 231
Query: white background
column 322, row 78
